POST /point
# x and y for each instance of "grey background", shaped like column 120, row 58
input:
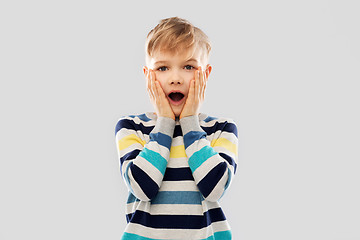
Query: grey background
column 286, row 71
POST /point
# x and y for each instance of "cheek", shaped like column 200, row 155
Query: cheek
column 189, row 78
column 160, row 78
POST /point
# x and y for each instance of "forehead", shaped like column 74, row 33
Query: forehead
column 182, row 55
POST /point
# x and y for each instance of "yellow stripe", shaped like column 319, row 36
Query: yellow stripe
column 129, row 140
column 177, row 152
column 223, row 142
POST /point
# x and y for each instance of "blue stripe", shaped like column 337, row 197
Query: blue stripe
column 231, row 128
column 132, row 198
column 126, row 176
column 177, row 221
column 208, row 119
column 200, row 156
column 162, row 139
column 130, row 155
column 224, row 127
column 177, row 197
column 192, row 136
column 208, row 183
column 130, row 124
column 178, row 174
column 227, row 182
column 229, row 179
column 177, row 131
column 230, row 160
column 146, row 183
column 143, row 117
column 155, row 159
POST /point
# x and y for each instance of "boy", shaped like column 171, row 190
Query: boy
column 176, row 162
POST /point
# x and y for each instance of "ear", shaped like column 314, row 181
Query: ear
column 145, row 69
column 208, row 70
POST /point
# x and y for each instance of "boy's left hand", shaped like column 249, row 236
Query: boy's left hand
column 196, row 94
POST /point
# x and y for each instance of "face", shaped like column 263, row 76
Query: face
column 174, row 73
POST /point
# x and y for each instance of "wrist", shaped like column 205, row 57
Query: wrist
column 190, row 123
column 187, row 115
column 167, row 116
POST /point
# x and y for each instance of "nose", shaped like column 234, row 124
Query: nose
column 176, row 78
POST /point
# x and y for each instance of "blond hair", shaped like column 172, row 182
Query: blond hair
column 175, row 34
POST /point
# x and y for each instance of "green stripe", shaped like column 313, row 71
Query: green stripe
column 201, row 156
column 155, row 159
column 224, row 235
column 131, row 236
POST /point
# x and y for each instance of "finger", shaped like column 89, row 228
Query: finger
column 203, row 85
column 147, row 79
column 148, row 84
column 159, row 91
column 204, row 89
column 200, row 81
column 196, row 89
column 191, row 96
column 152, row 86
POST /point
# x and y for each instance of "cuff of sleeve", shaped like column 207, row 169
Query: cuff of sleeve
column 190, row 123
column 164, row 125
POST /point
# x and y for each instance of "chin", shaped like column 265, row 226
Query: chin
column 177, row 112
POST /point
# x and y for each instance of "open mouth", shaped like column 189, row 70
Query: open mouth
column 176, row 97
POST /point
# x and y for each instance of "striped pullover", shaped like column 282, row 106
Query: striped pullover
column 176, row 171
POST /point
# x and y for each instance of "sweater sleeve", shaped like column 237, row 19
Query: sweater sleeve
column 143, row 163
column 212, row 163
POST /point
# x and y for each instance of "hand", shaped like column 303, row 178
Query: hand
column 157, row 95
column 196, row 94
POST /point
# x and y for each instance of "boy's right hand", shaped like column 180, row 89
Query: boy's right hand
column 157, row 95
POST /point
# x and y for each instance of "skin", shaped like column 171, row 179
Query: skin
column 176, row 72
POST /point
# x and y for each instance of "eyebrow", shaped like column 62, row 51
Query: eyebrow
column 191, row 59
column 166, row 62
column 160, row 62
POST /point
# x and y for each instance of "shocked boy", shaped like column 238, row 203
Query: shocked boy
column 176, row 162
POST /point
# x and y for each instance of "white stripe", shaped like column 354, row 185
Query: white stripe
column 129, row 149
column 206, row 166
column 218, row 189
column 165, row 209
column 136, row 188
column 178, row 233
column 149, row 169
column 178, row 186
column 226, row 151
column 230, row 136
column 178, row 162
column 156, row 147
column 214, row 135
column 131, row 207
column 123, row 132
column 146, row 206
column 196, row 146
column 177, row 141
column 138, row 121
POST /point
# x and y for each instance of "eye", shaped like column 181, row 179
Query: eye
column 163, row 68
column 189, row 67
